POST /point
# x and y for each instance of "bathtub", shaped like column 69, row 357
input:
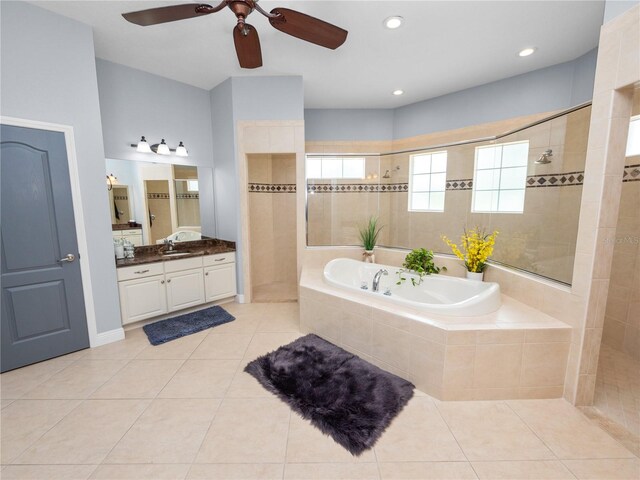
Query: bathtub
column 457, row 297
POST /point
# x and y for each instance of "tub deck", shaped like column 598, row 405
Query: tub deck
column 515, row 352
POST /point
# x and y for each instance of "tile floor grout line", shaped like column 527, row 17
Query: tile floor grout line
column 151, row 400
column 435, row 404
column 47, row 431
column 286, row 448
column 532, row 430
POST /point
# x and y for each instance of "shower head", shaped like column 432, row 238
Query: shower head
column 387, row 173
column 544, row 158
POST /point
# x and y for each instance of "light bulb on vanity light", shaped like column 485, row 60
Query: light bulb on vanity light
column 143, row 146
column 163, row 148
column 181, row 151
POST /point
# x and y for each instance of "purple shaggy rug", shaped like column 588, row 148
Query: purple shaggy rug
column 341, row 394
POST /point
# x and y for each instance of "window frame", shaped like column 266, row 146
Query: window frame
column 500, row 170
column 342, row 160
column 411, row 192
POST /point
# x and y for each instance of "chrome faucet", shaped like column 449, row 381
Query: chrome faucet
column 376, row 279
column 169, row 244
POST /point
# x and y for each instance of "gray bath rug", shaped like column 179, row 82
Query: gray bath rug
column 182, row 325
column 347, row 398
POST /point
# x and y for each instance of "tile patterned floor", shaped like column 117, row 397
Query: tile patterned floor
column 186, row 410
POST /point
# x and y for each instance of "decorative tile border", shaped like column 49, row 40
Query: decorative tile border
column 555, row 180
column 631, row 173
column 272, row 188
column 158, row 196
column 533, row 181
column 462, row 184
column 358, row 188
column 183, row 196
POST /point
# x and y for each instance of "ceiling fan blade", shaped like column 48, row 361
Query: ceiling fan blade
column 154, row 16
column 308, row 28
column 247, row 46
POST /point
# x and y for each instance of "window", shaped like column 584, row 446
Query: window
column 500, row 177
column 334, row 167
column 427, row 182
column 192, row 185
column 633, row 141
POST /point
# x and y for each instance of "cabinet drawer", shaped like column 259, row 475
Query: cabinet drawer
column 139, row 271
column 134, row 231
column 182, row 264
column 219, row 259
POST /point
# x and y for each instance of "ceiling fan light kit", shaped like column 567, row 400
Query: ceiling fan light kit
column 245, row 36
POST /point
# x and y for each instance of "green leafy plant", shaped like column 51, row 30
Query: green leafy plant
column 419, row 262
column 369, row 233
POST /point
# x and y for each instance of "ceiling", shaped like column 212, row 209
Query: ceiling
column 442, row 47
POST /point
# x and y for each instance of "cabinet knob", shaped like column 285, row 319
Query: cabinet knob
column 206, row 274
column 169, row 281
column 161, row 281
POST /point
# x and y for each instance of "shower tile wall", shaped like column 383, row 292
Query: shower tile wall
column 541, row 240
column 622, row 318
column 158, row 201
column 272, row 223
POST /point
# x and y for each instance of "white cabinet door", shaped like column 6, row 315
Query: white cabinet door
column 142, row 298
column 184, row 289
column 220, row 281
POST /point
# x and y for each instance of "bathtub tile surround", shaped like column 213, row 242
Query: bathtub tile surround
column 516, row 352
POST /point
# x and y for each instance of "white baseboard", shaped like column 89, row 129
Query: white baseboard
column 240, row 298
column 108, row 337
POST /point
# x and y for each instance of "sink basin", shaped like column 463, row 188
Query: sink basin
column 175, row 254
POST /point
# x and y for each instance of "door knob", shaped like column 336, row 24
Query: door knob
column 70, row 257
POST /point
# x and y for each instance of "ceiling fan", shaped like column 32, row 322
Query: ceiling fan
column 245, row 36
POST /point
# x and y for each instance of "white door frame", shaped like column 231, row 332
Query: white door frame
column 74, row 179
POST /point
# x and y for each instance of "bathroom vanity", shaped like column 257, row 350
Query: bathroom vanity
column 157, row 282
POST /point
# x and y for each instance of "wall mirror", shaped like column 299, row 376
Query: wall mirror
column 150, row 202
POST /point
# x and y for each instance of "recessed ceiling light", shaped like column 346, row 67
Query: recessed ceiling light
column 525, row 52
column 398, row 92
column 393, row 22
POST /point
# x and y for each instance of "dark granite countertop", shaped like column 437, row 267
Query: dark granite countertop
column 125, row 226
column 196, row 248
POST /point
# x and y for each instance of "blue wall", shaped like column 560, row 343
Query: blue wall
column 135, row 103
column 236, row 99
column 552, row 88
column 48, row 74
column 343, row 124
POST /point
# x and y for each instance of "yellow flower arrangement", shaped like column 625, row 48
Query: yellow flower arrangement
column 477, row 247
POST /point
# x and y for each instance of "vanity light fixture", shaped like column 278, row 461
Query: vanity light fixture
column 525, row 52
column 143, row 146
column 160, row 148
column 111, row 181
column 393, row 22
column 181, row 151
column 398, row 92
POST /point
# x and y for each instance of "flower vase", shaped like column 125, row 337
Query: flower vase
column 477, row 276
column 368, row 256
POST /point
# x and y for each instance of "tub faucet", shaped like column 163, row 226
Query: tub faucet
column 376, row 279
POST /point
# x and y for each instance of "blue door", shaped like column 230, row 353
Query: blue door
column 43, row 313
